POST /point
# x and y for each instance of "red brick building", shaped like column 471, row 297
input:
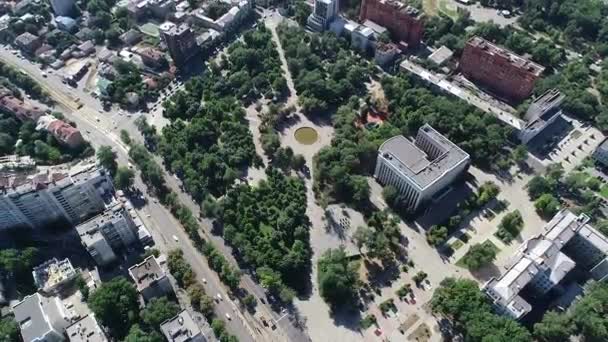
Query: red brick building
column 508, row 75
column 65, row 134
column 403, row 22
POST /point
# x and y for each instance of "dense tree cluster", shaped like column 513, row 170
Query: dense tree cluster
column 480, row 134
column 209, row 152
column 24, row 81
column 338, row 278
column 340, row 168
column 18, row 264
column 116, row 305
column 9, row 329
column 254, row 67
column 587, row 319
column 268, row 227
column 580, row 24
column 326, row 73
column 470, row 312
column 479, row 255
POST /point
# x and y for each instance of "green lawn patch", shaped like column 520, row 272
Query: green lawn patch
column 604, row 191
column 457, row 244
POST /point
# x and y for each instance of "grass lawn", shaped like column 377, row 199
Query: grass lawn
column 447, row 9
column 604, row 191
column 150, row 30
column 457, row 244
column 430, row 6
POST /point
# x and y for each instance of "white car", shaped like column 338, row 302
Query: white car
column 204, row 280
column 219, row 296
column 175, row 238
column 228, row 317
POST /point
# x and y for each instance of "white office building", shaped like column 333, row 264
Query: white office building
column 107, row 232
column 73, row 195
column 322, row 15
column 62, row 7
column 543, row 112
column 543, row 261
column 422, row 168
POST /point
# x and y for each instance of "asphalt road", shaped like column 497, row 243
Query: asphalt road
column 157, row 218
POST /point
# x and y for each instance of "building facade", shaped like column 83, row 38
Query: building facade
column 600, row 154
column 506, row 74
column 180, row 41
column 323, row 13
column 421, row 169
column 150, row 279
column 106, row 233
column 543, row 261
column 45, row 197
column 62, row 7
column 404, row 22
column 543, row 111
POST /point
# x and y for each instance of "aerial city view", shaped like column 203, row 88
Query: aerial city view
column 303, row 170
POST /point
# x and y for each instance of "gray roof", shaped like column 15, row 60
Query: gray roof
column 146, row 272
column 181, row 328
column 441, row 55
column 37, row 315
column 86, row 330
column 411, row 159
column 542, row 253
column 545, row 106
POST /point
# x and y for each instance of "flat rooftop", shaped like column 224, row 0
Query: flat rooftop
column 181, row 328
column 415, row 163
column 514, row 58
column 542, row 253
column 35, row 314
column 53, row 272
column 146, row 272
column 86, row 330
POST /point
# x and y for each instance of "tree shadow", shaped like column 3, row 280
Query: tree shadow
column 347, row 317
column 382, row 275
column 486, row 273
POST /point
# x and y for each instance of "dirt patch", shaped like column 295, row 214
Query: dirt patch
column 408, row 323
column 421, row 334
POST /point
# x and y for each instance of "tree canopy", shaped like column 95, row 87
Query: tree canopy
column 115, row 303
column 268, row 225
column 338, row 278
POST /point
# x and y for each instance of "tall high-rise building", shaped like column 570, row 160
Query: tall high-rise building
column 323, row 13
column 420, row 169
column 180, row 41
column 62, row 7
column 109, row 231
column 506, row 74
column 72, row 195
column 404, row 22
